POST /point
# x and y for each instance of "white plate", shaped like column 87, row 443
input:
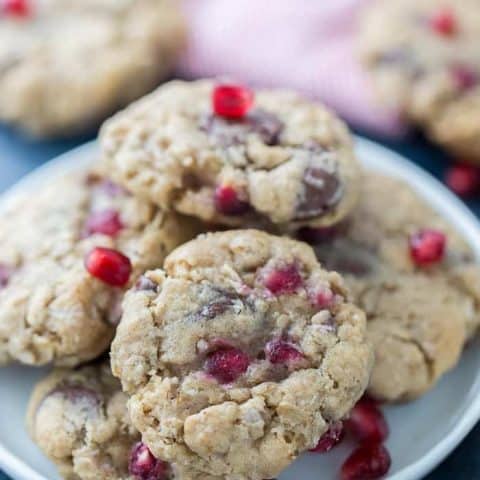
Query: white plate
column 422, row 433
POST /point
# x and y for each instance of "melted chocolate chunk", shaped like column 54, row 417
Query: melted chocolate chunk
column 322, row 190
column 226, row 132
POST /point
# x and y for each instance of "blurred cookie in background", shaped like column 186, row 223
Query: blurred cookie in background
column 424, row 57
column 66, row 65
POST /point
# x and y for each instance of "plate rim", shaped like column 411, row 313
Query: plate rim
column 393, row 164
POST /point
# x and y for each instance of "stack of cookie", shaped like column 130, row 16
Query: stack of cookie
column 243, row 347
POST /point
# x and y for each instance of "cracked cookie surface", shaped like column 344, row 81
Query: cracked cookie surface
column 419, row 316
column 287, row 162
column 66, row 65
column 239, row 354
column 424, row 56
column 51, row 308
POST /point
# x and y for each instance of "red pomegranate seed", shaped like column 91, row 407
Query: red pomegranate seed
column 109, row 266
column 281, row 351
column 232, row 101
column 15, row 8
column 464, row 78
column 226, row 365
column 464, row 180
column 367, row 422
column 444, row 22
column 427, row 246
column 5, row 274
column 228, row 202
column 144, row 466
column 333, row 436
column 106, row 222
column 283, row 280
column 323, row 298
column 367, row 462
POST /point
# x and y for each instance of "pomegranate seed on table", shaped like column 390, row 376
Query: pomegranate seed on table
column 444, row 22
column 332, row 437
column 281, row 351
column 367, row 462
column 427, row 247
column 226, row 365
column 366, row 422
column 109, row 266
column 106, row 222
column 463, row 77
column 15, row 8
column 228, row 202
column 144, row 466
column 464, row 180
column 283, row 280
column 232, row 101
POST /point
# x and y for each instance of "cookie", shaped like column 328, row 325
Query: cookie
column 67, row 251
column 233, row 157
column 425, row 60
column 416, row 280
column 66, row 65
column 239, row 354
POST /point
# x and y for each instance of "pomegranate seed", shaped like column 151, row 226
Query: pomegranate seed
column 5, row 274
column 228, row 202
column 226, row 365
column 232, row 101
column 444, row 22
column 280, row 351
column 464, row 180
column 106, row 222
column 333, row 436
column 109, row 266
column 323, row 298
column 464, row 78
column 144, row 466
column 367, row 462
column 367, row 422
column 283, row 280
column 15, row 8
column 427, row 246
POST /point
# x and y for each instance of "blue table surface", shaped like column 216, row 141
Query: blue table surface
column 18, row 156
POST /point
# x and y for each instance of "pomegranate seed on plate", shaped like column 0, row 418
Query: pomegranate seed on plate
column 109, row 266
column 367, row 422
column 15, row 8
column 368, row 462
column 232, row 101
column 427, row 246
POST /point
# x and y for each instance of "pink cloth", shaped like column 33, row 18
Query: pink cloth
column 308, row 45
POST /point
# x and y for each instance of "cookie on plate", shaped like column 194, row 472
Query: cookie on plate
column 416, row 280
column 239, row 354
column 424, row 57
column 67, row 250
column 66, row 65
column 233, row 157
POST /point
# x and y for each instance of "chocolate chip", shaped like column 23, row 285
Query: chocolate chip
column 145, row 284
column 226, row 132
column 322, row 190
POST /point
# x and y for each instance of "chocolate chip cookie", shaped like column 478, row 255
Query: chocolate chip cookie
column 234, row 157
column 424, row 57
column 67, row 252
column 239, row 354
column 414, row 277
column 66, row 65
